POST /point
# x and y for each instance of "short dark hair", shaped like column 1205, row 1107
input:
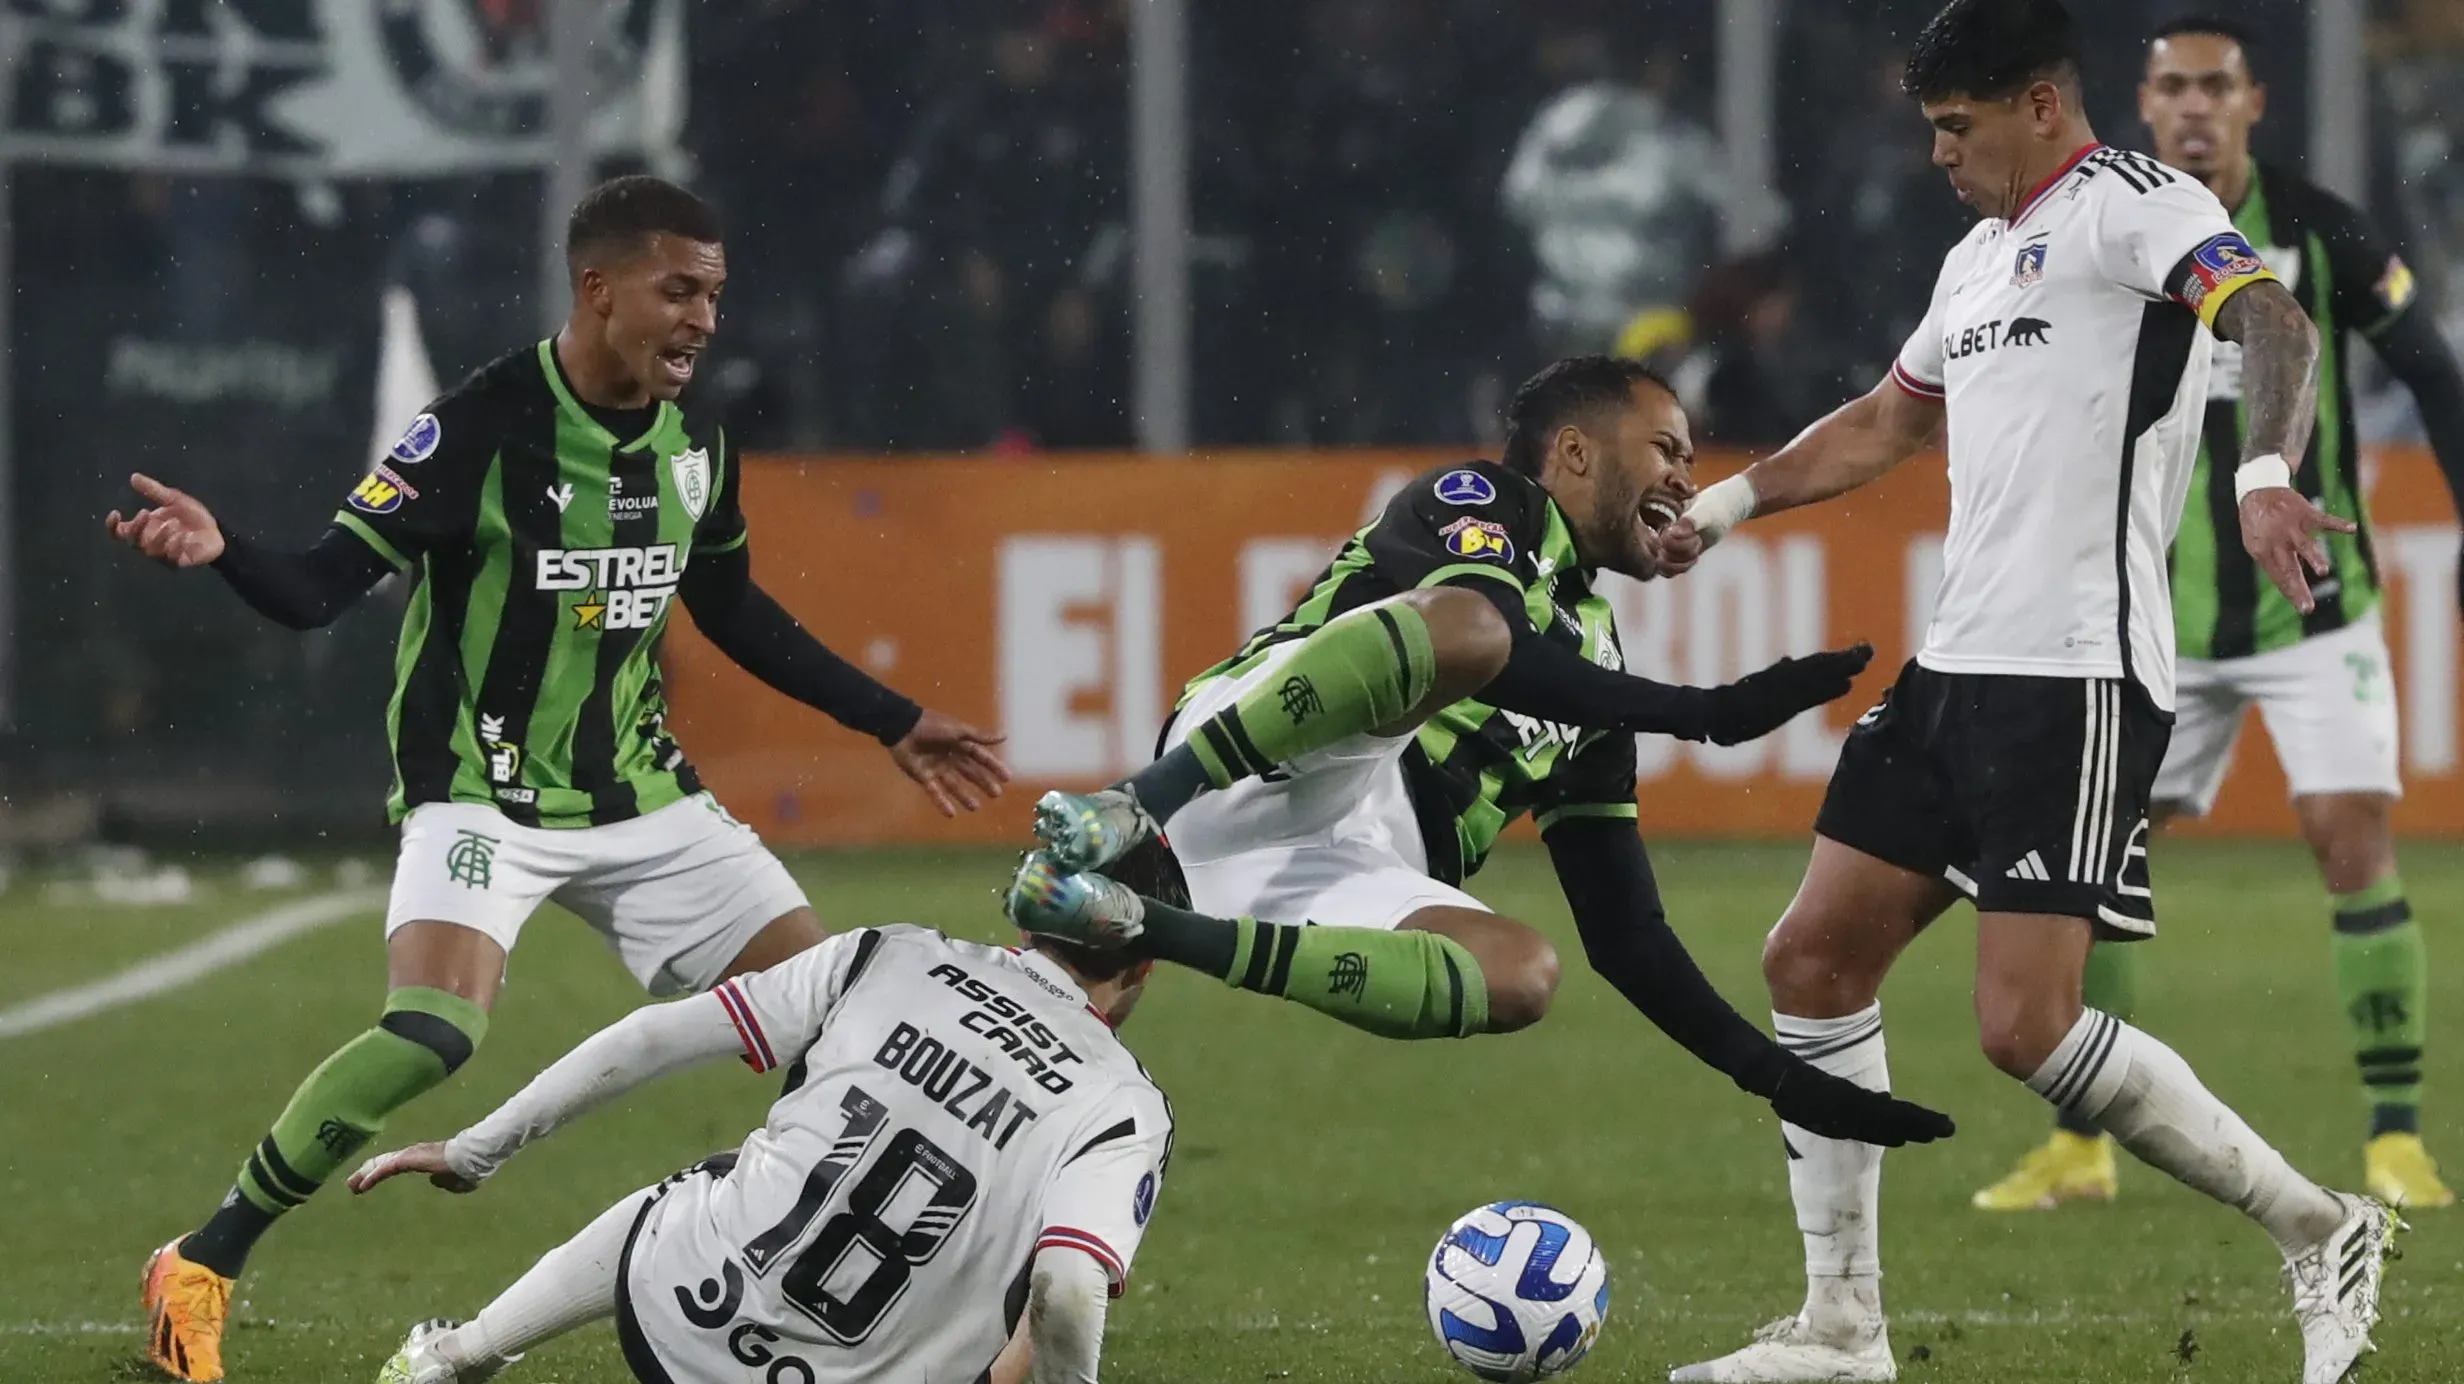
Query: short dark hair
column 1573, row 390
column 615, row 216
column 2212, row 26
column 1992, row 49
column 1151, row 870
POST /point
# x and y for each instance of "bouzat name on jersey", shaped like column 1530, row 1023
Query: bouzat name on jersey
column 548, row 541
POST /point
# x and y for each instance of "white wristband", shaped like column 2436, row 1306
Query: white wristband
column 2261, row 473
column 1721, row 508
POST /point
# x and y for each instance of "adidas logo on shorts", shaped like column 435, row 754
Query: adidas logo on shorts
column 2030, row 866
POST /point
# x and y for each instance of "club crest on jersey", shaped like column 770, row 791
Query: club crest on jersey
column 1478, row 539
column 418, row 440
column 381, row 491
column 692, row 472
column 2029, row 271
column 1465, row 488
column 2221, row 260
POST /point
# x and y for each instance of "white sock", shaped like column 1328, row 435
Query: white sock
column 2148, row 1099
column 1837, row 1183
column 571, row 1285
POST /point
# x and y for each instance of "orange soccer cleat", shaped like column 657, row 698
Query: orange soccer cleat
column 185, row 1304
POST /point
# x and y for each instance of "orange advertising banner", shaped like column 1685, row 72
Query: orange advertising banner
column 1065, row 601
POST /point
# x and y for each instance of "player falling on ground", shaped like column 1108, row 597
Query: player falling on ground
column 2321, row 680
column 963, row 1148
column 2013, row 759
column 548, row 509
column 1453, row 669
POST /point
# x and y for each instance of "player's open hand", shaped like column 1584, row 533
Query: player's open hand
column 1681, row 546
column 1836, row 1108
column 173, row 529
column 1759, row 703
column 428, row 1158
column 2281, row 528
column 956, row 764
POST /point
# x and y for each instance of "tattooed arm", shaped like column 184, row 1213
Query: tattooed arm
column 2280, row 369
column 2280, row 394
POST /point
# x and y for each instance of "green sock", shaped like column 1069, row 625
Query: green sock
column 1401, row 984
column 2382, row 975
column 1368, row 669
column 2111, row 984
column 424, row 1035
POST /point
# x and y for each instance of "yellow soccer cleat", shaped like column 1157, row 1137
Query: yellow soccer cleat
column 2067, row 1167
column 2400, row 1172
column 185, row 1304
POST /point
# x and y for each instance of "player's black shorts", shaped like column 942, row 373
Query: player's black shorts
column 2030, row 794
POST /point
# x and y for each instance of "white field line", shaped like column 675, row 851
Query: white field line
column 187, row 965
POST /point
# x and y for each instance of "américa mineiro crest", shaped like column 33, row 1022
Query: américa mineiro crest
column 691, row 470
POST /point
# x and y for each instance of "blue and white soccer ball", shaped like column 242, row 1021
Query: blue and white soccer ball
column 1517, row 1291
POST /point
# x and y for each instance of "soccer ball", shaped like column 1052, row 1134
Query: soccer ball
column 1517, row 1291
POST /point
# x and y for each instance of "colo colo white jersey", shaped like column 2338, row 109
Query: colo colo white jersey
column 951, row 1110
column 2069, row 347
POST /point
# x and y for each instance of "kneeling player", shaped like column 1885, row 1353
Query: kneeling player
column 962, row 1143
column 1453, row 669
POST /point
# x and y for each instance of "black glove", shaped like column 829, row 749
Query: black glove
column 1759, row 703
column 1837, row 1108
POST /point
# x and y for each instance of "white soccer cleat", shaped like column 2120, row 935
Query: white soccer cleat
column 1792, row 1351
column 421, row 1362
column 2335, row 1288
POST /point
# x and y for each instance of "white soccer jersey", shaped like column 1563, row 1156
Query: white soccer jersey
column 951, row 1110
column 2068, row 346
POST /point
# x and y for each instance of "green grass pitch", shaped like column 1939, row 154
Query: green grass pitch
column 1315, row 1168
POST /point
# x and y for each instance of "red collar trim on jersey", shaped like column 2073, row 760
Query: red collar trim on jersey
column 2037, row 194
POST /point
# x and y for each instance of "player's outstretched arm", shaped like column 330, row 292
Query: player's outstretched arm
column 1855, row 443
column 956, row 764
column 2280, row 358
column 1551, row 682
column 641, row 1047
column 299, row 590
column 1066, row 1294
column 1609, row 887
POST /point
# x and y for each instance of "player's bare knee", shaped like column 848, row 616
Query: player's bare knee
column 2019, row 1029
column 1519, row 995
column 1809, row 979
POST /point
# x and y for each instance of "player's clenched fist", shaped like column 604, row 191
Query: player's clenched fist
column 174, row 529
column 2281, row 528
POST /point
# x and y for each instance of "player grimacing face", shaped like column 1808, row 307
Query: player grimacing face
column 2199, row 101
column 1986, row 146
column 658, row 307
column 1621, row 485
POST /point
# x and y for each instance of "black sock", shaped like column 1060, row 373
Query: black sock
column 223, row 1244
column 1191, row 939
column 2070, row 1121
column 1166, row 786
column 2394, row 1119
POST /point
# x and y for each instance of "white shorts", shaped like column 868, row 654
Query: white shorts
column 677, row 892
column 1329, row 838
column 2330, row 707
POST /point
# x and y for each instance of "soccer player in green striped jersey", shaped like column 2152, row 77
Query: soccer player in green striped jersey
column 548, row 512
column 2321, row 680
column 1329, row 787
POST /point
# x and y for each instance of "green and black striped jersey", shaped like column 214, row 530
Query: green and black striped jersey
column 546, row 539
column 2348, row 279
column 1474, row 769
